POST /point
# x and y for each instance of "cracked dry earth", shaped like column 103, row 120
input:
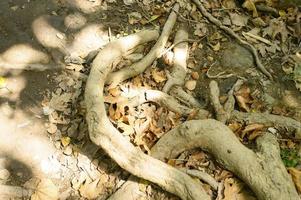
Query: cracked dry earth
column 44, row 143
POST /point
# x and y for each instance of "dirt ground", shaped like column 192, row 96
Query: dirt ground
column 53, row 32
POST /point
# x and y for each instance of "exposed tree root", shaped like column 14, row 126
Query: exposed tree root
column 116, row 77
column 179, row 69
column 184, row 97
column 167, row 101
column 104, row 134
column 227, row 112
column 233, row 34
column 8, row 192
column 263, row 171
column 292, row 126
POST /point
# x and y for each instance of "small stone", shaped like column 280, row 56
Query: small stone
column 191, row 65
column 195, row 75
column 4, row 174
column 52, row 128
column 272, row 130
column 210, row 58
column 190, row 85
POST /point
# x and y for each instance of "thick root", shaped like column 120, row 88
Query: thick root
column 264, row 171
column 178, row 72
column 104, row 134
column 117, row 77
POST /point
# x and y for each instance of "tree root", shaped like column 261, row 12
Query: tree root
column 167, row 101
column 104, row 134
column 184, row 97
column 116, row 77
column 263, row 171
column 179, row 70
column 234, row 35
column 227, row 112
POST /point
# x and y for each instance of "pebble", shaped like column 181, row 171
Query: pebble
column 190, row 85
column 4, row 174
column 195, row 75
column 272, row 130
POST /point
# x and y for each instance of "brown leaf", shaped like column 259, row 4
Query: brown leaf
column 276, row 26
column 250, row 6
column 244, row 98
column 158, row 76
column 234, row 190
column 296, row 176
column 91, row 189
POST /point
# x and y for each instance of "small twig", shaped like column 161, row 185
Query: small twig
column 220, row 75
column 233, row 34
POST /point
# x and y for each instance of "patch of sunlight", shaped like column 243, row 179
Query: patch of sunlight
column 181, row 55
column 13, row 87
column 23, row 54
column 47, row 35
column 22, row 138
column 75, row 21
column 90, row 38
column 86, row 6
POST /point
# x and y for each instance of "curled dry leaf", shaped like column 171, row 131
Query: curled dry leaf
column 244, row 98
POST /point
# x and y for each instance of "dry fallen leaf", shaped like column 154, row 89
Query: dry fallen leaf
column 296, row 176
column 46, row 190
column 158, row 76
column 91, row 189
column 234, row 190
column 250, row 6
column 276, row 26
column 244, row 98
column 65, row 141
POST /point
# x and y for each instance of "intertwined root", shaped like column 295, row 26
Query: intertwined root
column 262, row 171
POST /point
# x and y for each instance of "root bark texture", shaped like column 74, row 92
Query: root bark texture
column 167, row 101
column 179, row 70
column 116, row 77
column 263, row 171
column 104, row 134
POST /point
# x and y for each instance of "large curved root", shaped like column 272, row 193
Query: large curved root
column 264, row 171
column 105, row 135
